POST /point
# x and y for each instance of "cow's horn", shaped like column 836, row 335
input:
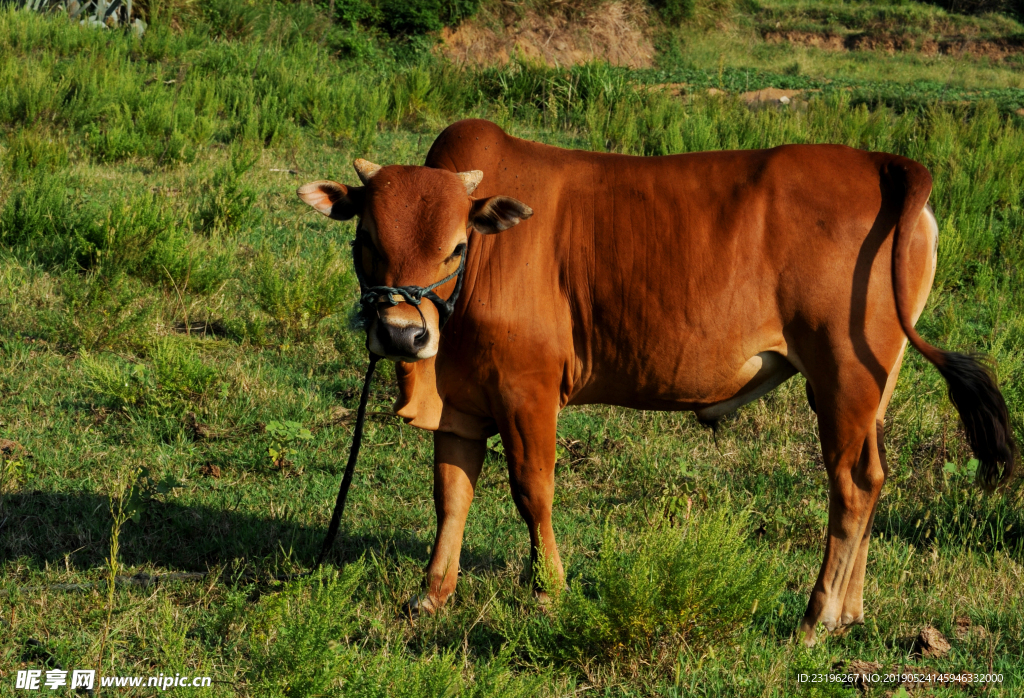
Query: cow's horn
column 470, row 180
column 366, row 170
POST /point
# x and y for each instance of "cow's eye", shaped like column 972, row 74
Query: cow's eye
column 459, row 250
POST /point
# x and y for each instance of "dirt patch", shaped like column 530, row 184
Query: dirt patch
column 957, row 46
column 615, row 32
column 932, row 643
column 12, row 449
column 769, row 97
column 828, row 42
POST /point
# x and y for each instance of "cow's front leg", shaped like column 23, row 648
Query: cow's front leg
column 457, row 464
column 529, row 439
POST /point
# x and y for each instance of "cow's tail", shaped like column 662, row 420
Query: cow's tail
column 971, row 379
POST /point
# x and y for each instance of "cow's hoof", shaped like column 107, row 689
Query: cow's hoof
column 807, row 634
column 849, row 620
column 419, row 605
column 808, row 631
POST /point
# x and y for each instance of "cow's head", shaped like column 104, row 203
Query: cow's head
column 413, row 230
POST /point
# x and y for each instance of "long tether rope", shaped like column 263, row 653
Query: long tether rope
column 350, row 468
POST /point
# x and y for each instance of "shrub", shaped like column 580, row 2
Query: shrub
column 978, row 7
column 186, row 263
column 408, row 17
column 674, row 11
column 101, row 313
column 177, row 375
column 49, row 221
column 226, row 201
column 45, row 221
column 35, row 149
column 180, row 372
column 689, row 585
column 299, row 294
column 297, row 637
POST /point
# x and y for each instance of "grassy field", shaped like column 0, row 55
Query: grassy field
column 170, row 313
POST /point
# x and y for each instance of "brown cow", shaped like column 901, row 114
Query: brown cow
column 690, row 282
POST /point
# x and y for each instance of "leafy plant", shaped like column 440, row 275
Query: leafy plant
column 674, row 11
column 968, row 470
column 651, row 593
column 144, row 491
column 298, row 636
column 120, row 484
column 35, row 149
column 98, row 313
column 180, row 372
column 226, row 201
column 300, row 294
column 44, row 220
column 127, row 385
column 285, row 439
column 177, row 376
column 12, row 467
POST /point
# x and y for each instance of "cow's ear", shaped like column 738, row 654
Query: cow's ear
column 497, row 213
column 332, row 199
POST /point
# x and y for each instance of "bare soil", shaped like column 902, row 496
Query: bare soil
column 958, row 46
column 616, row 32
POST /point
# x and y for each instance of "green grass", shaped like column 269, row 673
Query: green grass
column 164, row 297
column 728, row 45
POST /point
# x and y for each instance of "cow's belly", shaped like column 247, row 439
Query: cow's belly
column 760, row 375
column 710, row 391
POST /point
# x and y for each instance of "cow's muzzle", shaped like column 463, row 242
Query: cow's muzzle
column 410, row 342
column 405, row 342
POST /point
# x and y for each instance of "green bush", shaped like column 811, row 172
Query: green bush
column 180, row 372
column 46, row 220
column 124, row 384
column 29, row 150
column 691, row 585
column 99, row 313
column 302, row 642
column 978, row 7
column 49, row 221
column 297, row 637
column 226, row 202
column 187, row 263
column 177, row 376
column 298, row 294
column 674, row 11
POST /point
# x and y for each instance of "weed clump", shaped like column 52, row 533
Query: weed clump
column 226, row 202
column 177, row 375
column 691, row 585
column 300, row 294
column 297, row 637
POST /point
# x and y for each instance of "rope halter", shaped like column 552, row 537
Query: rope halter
column 372, row 296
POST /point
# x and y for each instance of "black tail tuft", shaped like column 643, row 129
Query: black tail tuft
column 975, row 394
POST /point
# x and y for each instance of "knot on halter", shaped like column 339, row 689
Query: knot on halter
column 371, row 296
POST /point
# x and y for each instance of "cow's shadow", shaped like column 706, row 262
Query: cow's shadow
column 47, row 530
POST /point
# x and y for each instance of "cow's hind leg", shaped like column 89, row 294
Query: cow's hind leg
column 849, row 440
column 853, row 604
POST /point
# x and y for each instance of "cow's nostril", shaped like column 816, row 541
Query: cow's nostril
column 421, row 339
